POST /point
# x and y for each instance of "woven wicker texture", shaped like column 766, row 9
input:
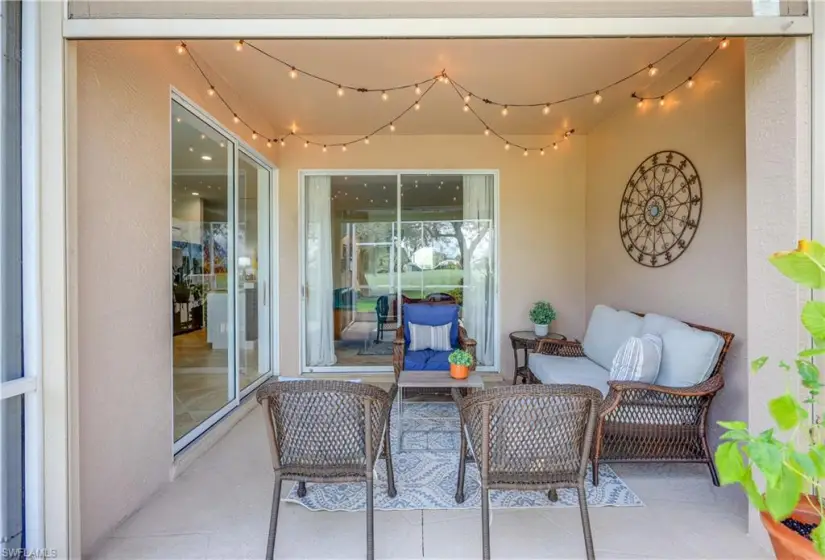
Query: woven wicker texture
column 325, row 431
column 529, row 437
column 651, row 423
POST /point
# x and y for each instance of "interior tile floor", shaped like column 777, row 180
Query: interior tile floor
column 219, row 509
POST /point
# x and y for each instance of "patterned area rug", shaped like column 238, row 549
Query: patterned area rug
column 426, row 470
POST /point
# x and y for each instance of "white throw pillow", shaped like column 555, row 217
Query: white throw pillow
column 427, row 337
column 638, row 359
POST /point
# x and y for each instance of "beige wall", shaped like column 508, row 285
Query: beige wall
column 124, row 267
column 541, row 226
column 708, row 283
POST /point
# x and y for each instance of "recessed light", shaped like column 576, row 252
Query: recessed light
column 195, row 194
column 203, row 136
column 191, row 149
column 223, row 145
column 208, row 186
column 205, row 157
column 178, row 119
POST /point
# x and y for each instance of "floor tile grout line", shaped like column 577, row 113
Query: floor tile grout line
column 422, row 534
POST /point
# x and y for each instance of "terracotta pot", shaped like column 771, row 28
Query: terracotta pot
column 459, row 372
column 787, row 543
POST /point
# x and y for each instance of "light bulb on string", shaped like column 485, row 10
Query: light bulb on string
column 384, row 95
column 640, row 103
column 597, row 98
column 504, row 111
column 392, row 127
column 541, row 152
column 283, row 142
column 239, row 45
column 690, row 83
column 417, row 90
column 268, row 144
column 486, row 132
column 235, row 119
column 555, row 146
column 507, row 145
column 181, row 48
column 306, row 144
column 467, row 98
column 652, row 70
column 662, row 101
column 344, row 148
column 210, row 92
column 340, row 91
column 723, row 44
column 254, row 135
column 466, row 108
column 367, row 140
column 417, row 106
column 324, row 149
column 293, row 73
column 546, row 110
column 526, row 153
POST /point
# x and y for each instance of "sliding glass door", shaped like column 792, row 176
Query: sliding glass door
column 374, row 241
column 221, row 271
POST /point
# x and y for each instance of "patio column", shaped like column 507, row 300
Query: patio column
column 778, row 129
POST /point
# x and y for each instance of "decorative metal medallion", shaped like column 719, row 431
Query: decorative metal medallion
column 660, row 209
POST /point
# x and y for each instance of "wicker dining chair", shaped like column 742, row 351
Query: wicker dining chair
column 326, row 431
column 528, row 437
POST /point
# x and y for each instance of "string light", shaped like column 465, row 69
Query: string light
column 662, row 101
column 597, row 98
column 254, row 135
column 324, row 149
column 640, row 103
column 467, row 98
column 541, row 151
column 235, row 119
column 417, row 106
column 689, row 84
column 210, row 92
column 306, row 144
column 507, row 145
column 367, row 140
column 652, row 70
column 268, row 144
column 555, row 146
column 504, row 111
column 417, row 90
column 384, row 95
column 723, row 44
column 340, row 91
column 526, row 153
column 486, row 132
column 181, row 48
column 466, row 108
column 546, row 110
column 392, row 127
column 293, row 73
column 344, row 148
column 283, row 142
column 239, row 45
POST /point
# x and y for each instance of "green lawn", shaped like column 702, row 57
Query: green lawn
column 416, row 285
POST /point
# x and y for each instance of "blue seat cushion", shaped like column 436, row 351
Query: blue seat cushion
column 432, row 315
column 427, row 360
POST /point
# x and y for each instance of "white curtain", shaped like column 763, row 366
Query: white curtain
column 319, row 291
column 479, row 278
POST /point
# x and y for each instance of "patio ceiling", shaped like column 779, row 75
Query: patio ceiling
column 508, row 70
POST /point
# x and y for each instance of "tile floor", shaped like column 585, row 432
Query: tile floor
column 219, row 509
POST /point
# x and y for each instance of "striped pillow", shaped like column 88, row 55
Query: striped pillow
column 638, row 359
column 427, row 337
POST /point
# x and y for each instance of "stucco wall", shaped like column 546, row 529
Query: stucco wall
column 541, row 225
column 124, row 231
column 708, row 283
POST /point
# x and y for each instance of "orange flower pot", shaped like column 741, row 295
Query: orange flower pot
column 459, row 372
column 788, row 544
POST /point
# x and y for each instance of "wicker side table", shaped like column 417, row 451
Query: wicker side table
column 527, row 341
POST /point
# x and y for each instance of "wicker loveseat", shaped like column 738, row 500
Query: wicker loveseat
column 640, row 422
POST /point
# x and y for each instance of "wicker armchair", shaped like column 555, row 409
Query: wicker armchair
column 528, row 437
column 318, row 432
column 651, row 423
column 400, row 344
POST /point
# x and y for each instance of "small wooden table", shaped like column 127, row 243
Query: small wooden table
column 527, row 341
column 430, row 380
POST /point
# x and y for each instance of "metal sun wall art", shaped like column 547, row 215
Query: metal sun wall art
column 660, row 209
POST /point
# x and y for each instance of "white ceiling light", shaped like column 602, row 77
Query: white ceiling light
column 195, row 194
column 205, row 157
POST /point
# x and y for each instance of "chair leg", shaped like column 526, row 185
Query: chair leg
column 273, row 519
column 462, row 462
column 302, row 489
column 370, row 543
column 391, row 492
column 594, row 467
column 553, row 495
column 588, row 538
column 713, row 475
column 706, row 448
column 485, row 522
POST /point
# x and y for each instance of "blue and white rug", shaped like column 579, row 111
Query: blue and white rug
column 425, row 465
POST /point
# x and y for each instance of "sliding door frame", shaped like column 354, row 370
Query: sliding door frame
column 303, row 367
column 238, row 145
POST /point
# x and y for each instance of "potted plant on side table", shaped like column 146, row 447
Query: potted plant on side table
column 460, row 363
column 541, row 315
column 791, row 457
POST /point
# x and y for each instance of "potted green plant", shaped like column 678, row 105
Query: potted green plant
column 791, row 456
column 542, row 314
column 460, row 363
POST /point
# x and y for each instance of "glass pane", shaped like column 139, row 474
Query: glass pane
column 11, row 475
column 351, row 271
column 253, row 283
column 202, row 192
column 447, row 248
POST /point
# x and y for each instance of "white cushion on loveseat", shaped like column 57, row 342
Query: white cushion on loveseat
column 688, row 354
column 607, row 331
column 559, row 370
